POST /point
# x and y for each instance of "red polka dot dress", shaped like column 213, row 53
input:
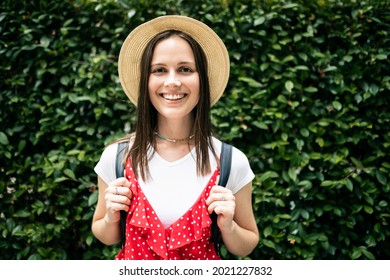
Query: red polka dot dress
column 186, row 239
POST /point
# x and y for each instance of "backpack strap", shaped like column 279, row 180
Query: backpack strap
column 119, row 170
column 226, row 163
column 225, row 166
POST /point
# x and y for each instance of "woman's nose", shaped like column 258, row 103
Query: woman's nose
column 172, row 81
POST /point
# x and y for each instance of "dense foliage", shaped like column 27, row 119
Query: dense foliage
column 308, row 102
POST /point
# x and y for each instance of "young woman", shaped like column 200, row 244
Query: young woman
column 174, row 68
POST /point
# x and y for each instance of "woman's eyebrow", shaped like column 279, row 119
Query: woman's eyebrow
column 180, row 63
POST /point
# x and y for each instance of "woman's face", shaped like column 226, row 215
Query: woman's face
column 173, row 80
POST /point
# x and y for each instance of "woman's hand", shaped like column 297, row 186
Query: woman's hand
column 117, row 197
column 240, row 236
column 222, row 201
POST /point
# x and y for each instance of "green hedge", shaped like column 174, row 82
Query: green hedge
column 308, row 102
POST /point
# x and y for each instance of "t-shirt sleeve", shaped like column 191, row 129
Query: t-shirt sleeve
column 105, row 168
column 241, row 173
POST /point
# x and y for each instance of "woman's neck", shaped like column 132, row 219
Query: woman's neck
column 175, row 129
column 174, row 139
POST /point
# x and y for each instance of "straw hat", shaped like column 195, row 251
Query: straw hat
column 135, row 43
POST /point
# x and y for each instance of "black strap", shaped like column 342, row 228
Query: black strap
column 225, row 165
column 119, row 170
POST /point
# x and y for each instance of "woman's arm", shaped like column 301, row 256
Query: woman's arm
column 235, row 218
column 112, row 199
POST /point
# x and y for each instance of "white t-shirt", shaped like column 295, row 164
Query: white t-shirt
column 174, row 186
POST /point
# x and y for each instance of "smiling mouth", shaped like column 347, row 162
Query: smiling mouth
column 173, row 97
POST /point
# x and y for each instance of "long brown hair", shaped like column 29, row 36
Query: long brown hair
column 146, row 123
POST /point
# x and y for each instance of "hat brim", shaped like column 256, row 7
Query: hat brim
column 136, row 42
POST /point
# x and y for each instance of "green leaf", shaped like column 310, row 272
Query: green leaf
column 357, row 163
column 310, row 89
column 290, row 6
column 279, row 202
column 301, row 68
column 268, row 174
column 382, row 203
column 381, row 56
column 304, row 132
column 289, row 86
column 93, row 198
column 259, row 21
column 305, row 214
column 89, row 240
column 64, row 80
column 297, row 37
column 264, row 66
column 369, row 255
column 356, row 253
column 337, row 211
column 73, row 152
column 327, row 183
column 330, row 68
column 381, row 177
column 268, row 243
column 69, row 173
column 349, row 184
column 368, row 209
column 3, row 138
column 337, row 105
column 261, row 125
column 22, row 214
column 292, row 174
column 45, row 41
column 267, row 231
column 251, row 82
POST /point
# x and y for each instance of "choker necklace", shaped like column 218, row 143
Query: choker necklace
column 173, row 140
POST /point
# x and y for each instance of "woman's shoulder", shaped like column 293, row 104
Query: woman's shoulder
column 105, row 167
column 111, row 149
column 241, row 173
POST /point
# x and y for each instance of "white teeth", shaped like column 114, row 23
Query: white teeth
column 173, row 96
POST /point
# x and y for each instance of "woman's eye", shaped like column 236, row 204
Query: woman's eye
column 158, row 70
column 186, row 70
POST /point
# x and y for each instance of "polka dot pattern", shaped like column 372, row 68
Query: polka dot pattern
column 186, row 239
